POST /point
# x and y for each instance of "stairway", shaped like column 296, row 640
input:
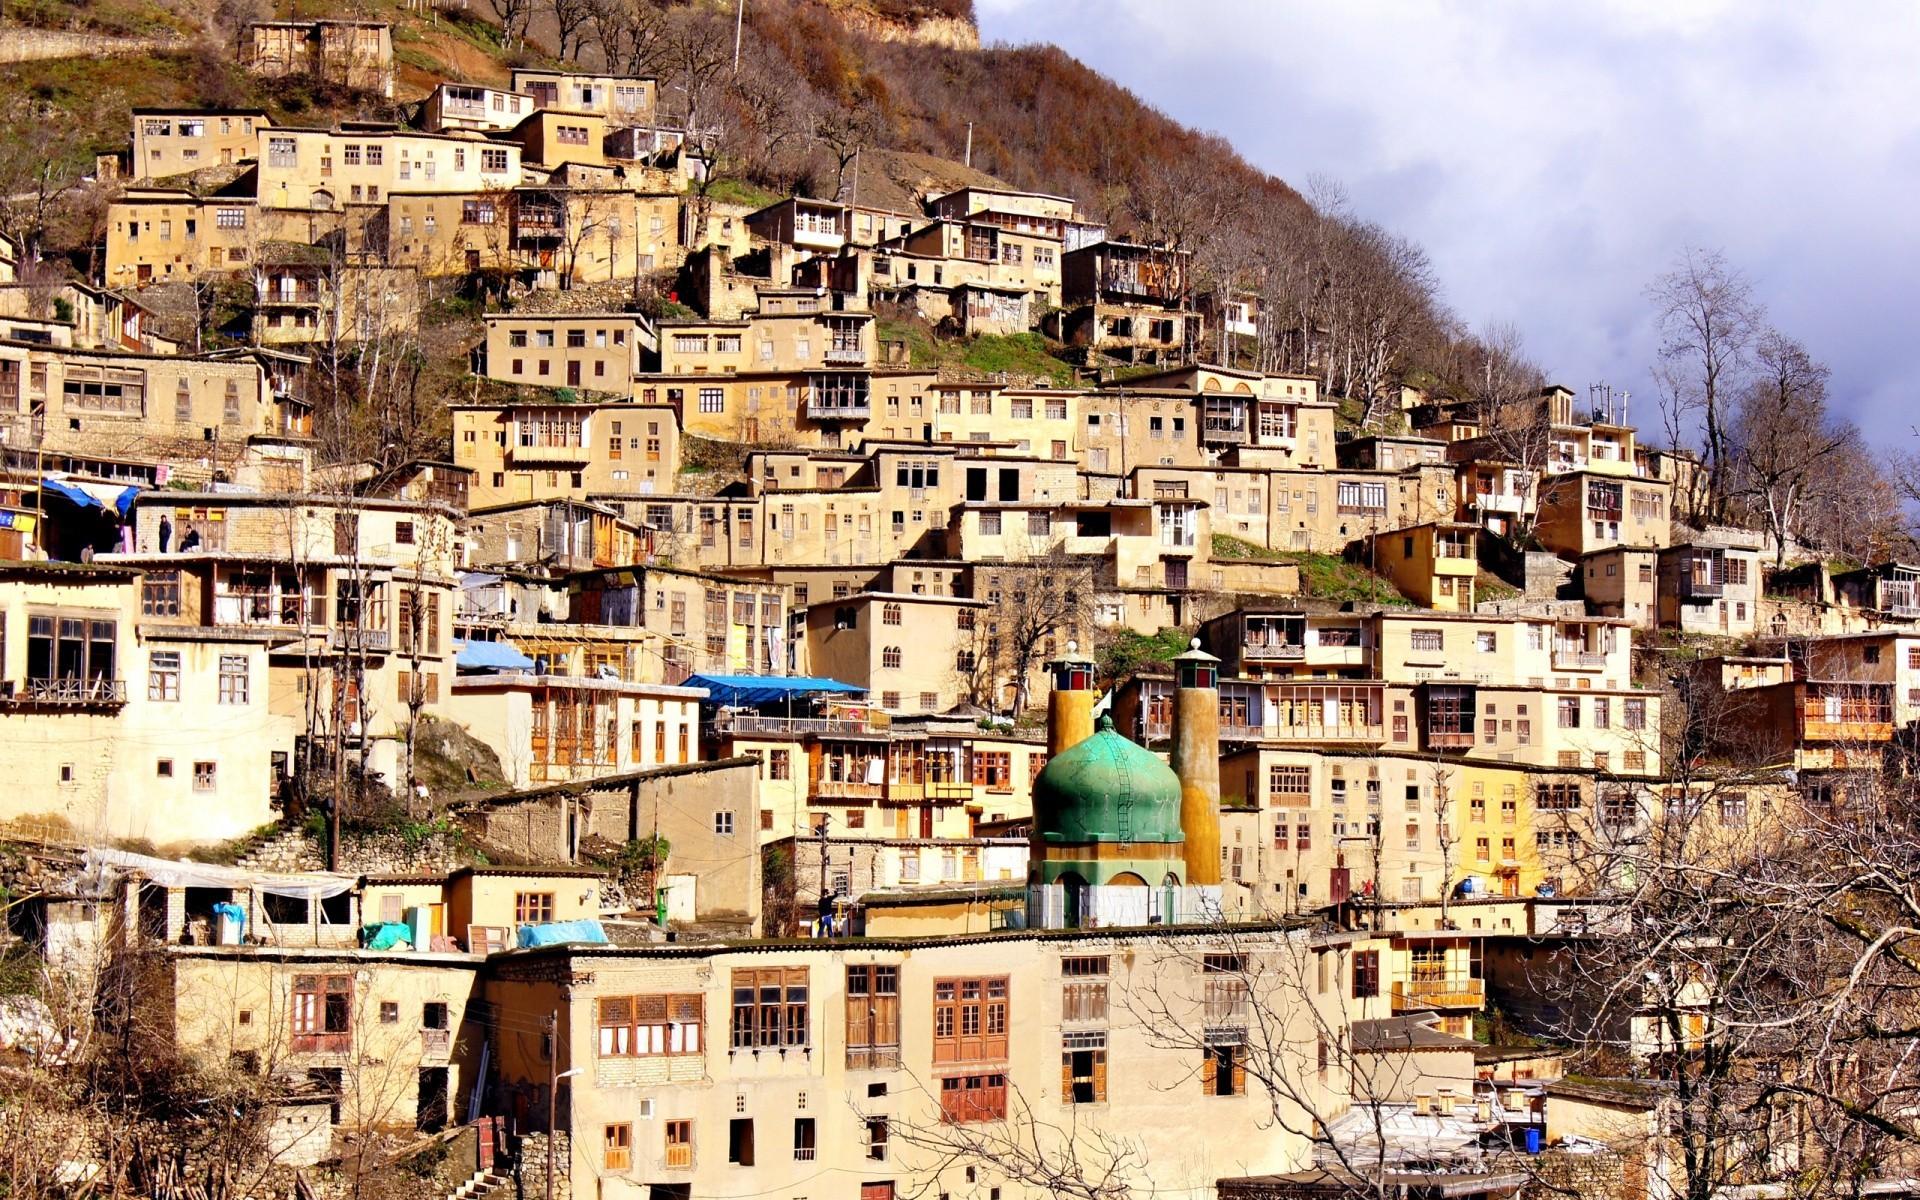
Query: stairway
column 288, row 850
column 482, row 1184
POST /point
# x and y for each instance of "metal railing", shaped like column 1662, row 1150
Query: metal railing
column 1578, row 660
column 69, row 690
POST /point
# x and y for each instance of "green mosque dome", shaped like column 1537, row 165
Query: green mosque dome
column 1107, row 789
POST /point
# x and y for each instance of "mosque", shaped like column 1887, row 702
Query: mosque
column 1121, row 838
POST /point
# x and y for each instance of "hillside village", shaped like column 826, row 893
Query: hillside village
column 539, row 663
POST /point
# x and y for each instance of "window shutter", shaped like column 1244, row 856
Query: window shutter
column 1239, row 1071
column 1066, row 1077
column 1207, row 1082
column 1100, row 1075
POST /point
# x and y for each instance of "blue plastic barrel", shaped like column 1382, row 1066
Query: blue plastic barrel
column 1533, row 1140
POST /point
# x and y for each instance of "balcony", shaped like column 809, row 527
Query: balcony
column 64, row 692
column 835, row 409
column 742, row 726
column 1438, row 993
column 304, row 294
column 1450, row 739
column 1692, row 588
column 1497, row 502
column 1219, row 430
column 549, row 452
column 1272, row 648
column 846, row 356
column 1578, row 660
column 352, row 637
column 839, row 789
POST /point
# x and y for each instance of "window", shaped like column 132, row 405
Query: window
column 1290, row 785
column 205, row 776
column 1569, row 709
column 1733, row 808
column 163, row 768
column 993, row 769
column 723, row 823
column 873, row 1016
column 679, row 1145
column 282, row 152
column 740, row 1141
column 970, row 1020
column 1557, row 797
column 770, row 1008
column 966, row 1098
column 1486, row 641
column 1633, row 714
column 321, row 1009
column 1083, row 989
column 1224, row 1072
column 803, row 1137
column 877, row 1138
column 532, row 908
column 1427, row 639
column 233, row 679
column 163, row 675
column 647, row 1026
column 617, row 1143
column 493, row 161
column 1083, row 1067
column 1360, row 497
column 713, row 400
column 1602, row 712
column 1366, row 972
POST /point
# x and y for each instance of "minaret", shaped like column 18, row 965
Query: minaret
column 1070, row 703
column 1195, row 758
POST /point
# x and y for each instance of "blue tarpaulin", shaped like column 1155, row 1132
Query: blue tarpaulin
column 385, row 935
column 125, row 502
column 559, row 933
column 766, row 689
column 67, row 491
column 490, row 656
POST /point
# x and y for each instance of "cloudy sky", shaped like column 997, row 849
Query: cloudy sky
column 1553, row 158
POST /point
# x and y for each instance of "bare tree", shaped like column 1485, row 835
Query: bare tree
column 1034, row 607
column 1783, row 436
column 629, row 33
column 1708, row 321
column 513, row 16
column 572, row 21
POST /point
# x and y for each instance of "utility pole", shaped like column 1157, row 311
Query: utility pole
column 739, row 19
column 553, row 1092
column 969, row 143
column 825, row 904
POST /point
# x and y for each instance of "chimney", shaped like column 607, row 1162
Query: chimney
column 1195, row 758
column 1070, row 703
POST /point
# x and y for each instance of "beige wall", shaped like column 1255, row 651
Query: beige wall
column 228, row 1002
column 172, row 142
column 528, row 452
column 1153, row 1091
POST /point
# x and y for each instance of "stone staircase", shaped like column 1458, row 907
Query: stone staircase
column 288, row 850
column 482, row 1184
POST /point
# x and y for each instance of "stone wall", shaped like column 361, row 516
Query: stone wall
column 360, row 853
column 30, row 45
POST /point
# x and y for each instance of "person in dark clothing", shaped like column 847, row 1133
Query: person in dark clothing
column 166, row 533
column 190, row 541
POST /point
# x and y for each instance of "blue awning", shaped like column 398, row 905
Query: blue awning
column 490, row 656
column 67, row 491
column 767, row 689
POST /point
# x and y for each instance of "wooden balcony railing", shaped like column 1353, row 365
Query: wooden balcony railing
column 1439, row 993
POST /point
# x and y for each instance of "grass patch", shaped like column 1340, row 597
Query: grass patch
column 727, row 190
column 1328, row 577
column 1488, row 586
column 1025, row 354
column 1225, row 545
column 1129, row 651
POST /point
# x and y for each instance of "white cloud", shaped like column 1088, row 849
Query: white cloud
column 1553, row 158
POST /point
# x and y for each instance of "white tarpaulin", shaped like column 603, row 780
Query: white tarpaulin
column 311, row 885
